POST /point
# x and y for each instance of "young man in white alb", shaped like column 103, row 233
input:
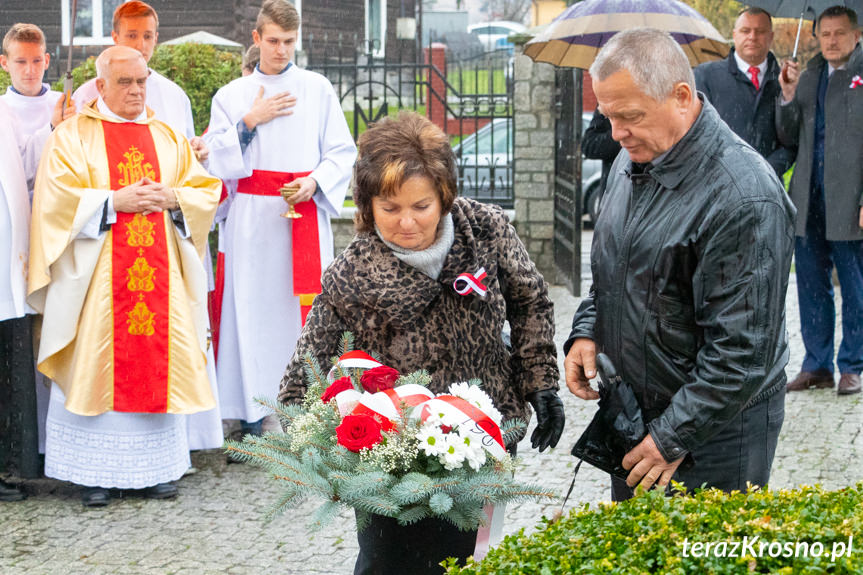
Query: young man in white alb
column 273, row 264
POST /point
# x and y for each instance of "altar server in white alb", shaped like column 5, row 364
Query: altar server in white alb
column 136, row 25
column 273, row 265
column 18, row 437
column 25, row 58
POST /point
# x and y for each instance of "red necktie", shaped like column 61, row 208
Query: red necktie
column 753, row 71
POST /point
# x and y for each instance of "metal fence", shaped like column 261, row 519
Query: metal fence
column 468, row 94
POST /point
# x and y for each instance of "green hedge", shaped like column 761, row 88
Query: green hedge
column 655, row 534
column 199, row 69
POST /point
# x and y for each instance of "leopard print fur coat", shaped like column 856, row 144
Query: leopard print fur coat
column 410, row 321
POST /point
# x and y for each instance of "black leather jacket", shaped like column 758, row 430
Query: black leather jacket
column 690, row 263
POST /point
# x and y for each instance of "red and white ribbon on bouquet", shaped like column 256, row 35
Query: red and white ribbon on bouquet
column 386, row 405
column 856, row 81
column 466, row 283
column 456, row 411
column 353, row 359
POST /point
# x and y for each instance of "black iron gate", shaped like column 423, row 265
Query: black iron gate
column 567, row 177
column 467, row 94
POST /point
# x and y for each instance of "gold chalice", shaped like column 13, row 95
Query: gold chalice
column 287, row 191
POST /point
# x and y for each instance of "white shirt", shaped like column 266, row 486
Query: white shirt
column 744, row 67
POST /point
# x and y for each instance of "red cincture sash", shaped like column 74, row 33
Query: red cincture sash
column 140, row 279
column 305, row 241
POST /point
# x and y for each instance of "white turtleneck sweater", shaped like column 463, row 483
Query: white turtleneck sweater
column 430, row 260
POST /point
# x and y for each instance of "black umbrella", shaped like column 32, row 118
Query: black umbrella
column 616, row 428
column 803, row 9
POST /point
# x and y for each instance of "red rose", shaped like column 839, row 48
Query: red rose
column 379, row 378
column 336, row 388
column 357, row 432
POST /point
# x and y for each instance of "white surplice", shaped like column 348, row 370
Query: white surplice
column 260, row 313
column 34, row 114
column 17, row 165
column 172, row 106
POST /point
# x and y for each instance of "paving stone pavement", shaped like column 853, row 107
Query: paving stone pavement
column 217, row 523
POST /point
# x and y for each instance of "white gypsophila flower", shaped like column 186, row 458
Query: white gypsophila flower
column 393, row 455
column 454, row 456
column 431, row 439
column 478, row 398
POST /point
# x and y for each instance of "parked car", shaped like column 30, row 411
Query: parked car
column 490, row 32
column 485, row 161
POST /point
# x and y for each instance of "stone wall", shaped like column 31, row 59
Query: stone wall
column 343, row 229
column 534, row 160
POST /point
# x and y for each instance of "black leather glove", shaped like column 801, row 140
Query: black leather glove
column 549, row 418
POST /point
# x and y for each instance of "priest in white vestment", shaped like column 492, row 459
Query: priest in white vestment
column 121, row 214
column 273, row 264
column 136, row 25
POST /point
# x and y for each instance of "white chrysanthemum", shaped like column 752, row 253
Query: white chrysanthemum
column 474, row 452
column 454, row 456
column 478, row 398
column 435, row 419
column 431, row 440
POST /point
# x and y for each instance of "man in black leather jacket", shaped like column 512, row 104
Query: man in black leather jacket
column 690, row 262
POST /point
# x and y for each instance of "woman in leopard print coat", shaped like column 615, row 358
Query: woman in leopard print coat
column 395, row 292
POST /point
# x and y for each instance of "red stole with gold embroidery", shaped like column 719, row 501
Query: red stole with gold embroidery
column 140, row 278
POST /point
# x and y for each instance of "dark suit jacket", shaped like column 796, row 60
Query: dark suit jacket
column 843, row 146
column 747, row 111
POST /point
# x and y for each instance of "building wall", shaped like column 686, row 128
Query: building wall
column 544, row 11
column 232, row 19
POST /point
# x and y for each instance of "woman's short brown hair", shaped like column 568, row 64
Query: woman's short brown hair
column 394, row 150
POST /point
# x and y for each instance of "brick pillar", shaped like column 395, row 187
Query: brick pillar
column 436, row 89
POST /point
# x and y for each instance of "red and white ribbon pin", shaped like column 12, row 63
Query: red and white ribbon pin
column 856, row 81
column 466, row 283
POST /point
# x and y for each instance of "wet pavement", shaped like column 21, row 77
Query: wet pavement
column 217, row 524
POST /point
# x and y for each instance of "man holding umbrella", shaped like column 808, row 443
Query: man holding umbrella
column 821, row 114
column 690, row 266
column 744, row 87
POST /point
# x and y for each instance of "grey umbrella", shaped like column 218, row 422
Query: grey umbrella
column 803, row 9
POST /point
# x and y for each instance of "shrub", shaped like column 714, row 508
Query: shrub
column 199, row 69
column 650, row 534
column 5, row 81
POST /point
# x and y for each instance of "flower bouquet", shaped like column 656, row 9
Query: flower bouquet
column 368, row 438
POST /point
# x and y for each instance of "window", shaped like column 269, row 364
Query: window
column 376, row 25
column 93, row 23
